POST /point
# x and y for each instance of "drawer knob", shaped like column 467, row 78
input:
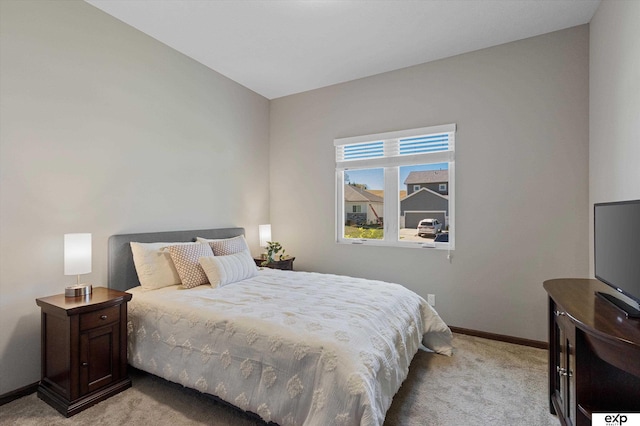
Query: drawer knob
column 564, row 372
column 85, row 364
column 103, row 317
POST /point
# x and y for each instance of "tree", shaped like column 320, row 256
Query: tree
column 360, row 185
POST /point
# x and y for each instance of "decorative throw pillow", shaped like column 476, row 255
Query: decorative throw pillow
column 226, row 246
column 223, row 270
column 185, row 258
column 153, row 264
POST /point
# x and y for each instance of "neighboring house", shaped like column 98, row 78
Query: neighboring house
column 427, row 197
column 434, row 180
column 361, row 206
column 423, row 204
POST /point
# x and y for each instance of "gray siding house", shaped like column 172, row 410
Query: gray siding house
column 434, row 180
column 427, row 197
column 424, row 204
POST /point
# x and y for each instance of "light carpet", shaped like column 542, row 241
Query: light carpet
column 484, row 383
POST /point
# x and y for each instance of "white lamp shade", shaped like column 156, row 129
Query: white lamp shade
column 265, row 234
column 77, row 254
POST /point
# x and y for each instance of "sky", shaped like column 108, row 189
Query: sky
column 374, row 178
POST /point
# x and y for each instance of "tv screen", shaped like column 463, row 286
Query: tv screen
column 617, row 246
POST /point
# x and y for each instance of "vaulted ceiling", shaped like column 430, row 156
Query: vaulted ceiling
column 281, row 47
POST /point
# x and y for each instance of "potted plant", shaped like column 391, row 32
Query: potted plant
column 273, row 248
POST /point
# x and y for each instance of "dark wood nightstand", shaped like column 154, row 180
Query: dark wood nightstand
column 84, row 349
column 285, row 265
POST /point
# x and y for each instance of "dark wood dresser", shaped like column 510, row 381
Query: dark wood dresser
column 84, row 349
column 594, row 353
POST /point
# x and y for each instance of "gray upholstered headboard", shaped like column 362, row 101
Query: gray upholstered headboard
column 122, row 271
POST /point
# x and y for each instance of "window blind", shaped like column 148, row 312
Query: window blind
column 429, row 144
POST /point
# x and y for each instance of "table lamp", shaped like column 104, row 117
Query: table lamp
column 77, row 261
column 264, row 231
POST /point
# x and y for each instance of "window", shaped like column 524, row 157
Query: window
column 387, row 183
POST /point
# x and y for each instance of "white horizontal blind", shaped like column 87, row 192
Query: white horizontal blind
column 424, row 144
column 428, row 144
column 360, row 151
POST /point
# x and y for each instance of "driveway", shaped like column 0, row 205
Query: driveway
column 411, row 234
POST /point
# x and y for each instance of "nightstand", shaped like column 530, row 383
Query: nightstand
column 84, row 349
column 286, row 264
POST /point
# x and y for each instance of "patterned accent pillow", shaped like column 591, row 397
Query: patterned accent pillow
column 185, row 258
column 226, row 246
column 223, row 270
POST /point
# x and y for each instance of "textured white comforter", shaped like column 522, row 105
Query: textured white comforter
column 296, row 348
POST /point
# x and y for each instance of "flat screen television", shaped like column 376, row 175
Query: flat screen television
column 617, row 251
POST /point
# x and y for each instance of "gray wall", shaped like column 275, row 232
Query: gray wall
column 521, row 164
column 105, row 130
column 614, row 126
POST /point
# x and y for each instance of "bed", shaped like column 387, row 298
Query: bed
column 295, row 348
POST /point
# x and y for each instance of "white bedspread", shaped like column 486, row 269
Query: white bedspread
column 295, row 348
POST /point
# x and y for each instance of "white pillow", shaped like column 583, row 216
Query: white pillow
column 223, row 270
column 226, row 246
column 154, row 265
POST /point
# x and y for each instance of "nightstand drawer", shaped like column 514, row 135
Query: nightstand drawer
column 99, row 318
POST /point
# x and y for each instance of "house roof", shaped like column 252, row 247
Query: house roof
column 357, row 194
column 427, row 176
column 380, row 193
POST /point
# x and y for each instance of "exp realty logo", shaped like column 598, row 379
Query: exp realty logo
column 616, row 419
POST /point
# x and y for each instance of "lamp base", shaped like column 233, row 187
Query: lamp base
column 78, row 290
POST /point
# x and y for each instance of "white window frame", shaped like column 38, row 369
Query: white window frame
column 442, row 187
column 387, row 157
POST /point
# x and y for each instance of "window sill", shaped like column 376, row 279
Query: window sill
column 414, row 245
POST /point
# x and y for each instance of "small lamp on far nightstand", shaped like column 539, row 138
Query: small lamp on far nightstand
column 77, row 261
column 265, row 236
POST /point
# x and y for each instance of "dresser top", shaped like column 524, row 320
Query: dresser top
column 99, row 297
column 577, row 297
